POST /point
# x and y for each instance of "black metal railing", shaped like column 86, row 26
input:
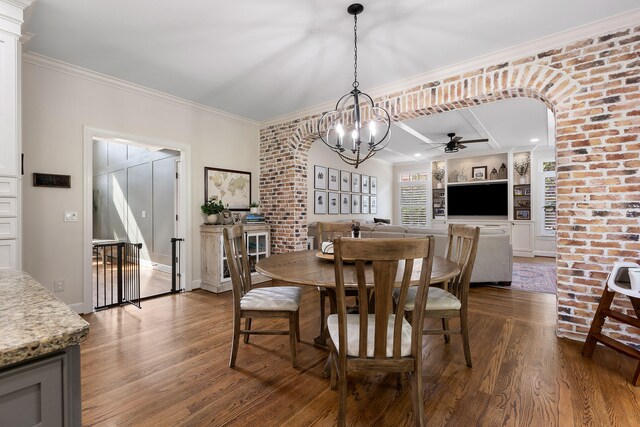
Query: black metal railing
column 116, row 273
column 176, row 275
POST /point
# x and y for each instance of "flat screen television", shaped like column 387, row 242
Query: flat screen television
column 490, row 199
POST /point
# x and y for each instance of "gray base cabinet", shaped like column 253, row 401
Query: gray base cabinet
column 42, row 392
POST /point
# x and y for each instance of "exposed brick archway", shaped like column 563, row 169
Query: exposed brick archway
column 592, row 86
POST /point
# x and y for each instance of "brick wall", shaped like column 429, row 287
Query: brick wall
column 593, row 88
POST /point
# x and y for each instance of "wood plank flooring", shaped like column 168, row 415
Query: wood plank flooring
column 167, row 364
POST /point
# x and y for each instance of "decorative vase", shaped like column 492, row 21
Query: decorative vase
column 254, row 210
column 634, row 279
column 523, row 179
column 438, row 184
column 502, row 173
column 212, row 219
column 494, row 174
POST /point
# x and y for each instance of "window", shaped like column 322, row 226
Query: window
column 413, row 198
column 548, row 177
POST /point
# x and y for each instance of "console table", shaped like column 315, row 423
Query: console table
column 214, row 269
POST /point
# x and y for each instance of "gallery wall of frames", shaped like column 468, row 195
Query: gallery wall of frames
column 342, row 192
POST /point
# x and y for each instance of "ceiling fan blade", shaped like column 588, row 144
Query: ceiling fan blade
column 462, row 147
column 456, row 138
column 468, row 141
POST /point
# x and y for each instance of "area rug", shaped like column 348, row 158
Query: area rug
column 532, row 277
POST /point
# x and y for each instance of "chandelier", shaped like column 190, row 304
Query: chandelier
column 343, row 129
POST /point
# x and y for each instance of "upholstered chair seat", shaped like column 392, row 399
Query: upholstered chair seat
column 353, row 334
column 276, row 298
column 439, row 299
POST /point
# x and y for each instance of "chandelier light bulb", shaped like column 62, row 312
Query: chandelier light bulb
column 340, row 132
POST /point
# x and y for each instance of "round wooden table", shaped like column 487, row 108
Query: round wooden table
column 307, row 268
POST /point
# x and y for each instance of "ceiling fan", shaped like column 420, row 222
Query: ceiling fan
column 454, row 143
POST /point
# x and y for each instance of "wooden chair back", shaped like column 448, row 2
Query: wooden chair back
column 462, row 245
column 387, row 257
column 328, row 230
column 235, row 248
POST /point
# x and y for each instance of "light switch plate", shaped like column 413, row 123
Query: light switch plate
column 70, row 216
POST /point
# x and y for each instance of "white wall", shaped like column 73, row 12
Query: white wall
column 321, row 155
column 57, row 105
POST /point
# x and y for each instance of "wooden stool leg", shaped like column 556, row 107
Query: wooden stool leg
column 598, row 322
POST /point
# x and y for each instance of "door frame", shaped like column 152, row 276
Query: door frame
column 184, row 220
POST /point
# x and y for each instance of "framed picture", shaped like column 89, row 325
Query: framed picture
column 320, row 202
column 320, row 177
column 355, row 203
column 334, row 203
column 355, row 183
column 373, row 204
column 373, row 185
column 479, row 173
column 345, row 203
column 334, row 179
column 231, row 187
column 345, row 181
column 522, row 214
column 365, row 184
column 521, row 190
column 365, row 204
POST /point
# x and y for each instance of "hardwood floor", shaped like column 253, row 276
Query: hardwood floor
column 167, row 364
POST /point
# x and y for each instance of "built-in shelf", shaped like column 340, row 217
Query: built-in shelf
column 478, row 182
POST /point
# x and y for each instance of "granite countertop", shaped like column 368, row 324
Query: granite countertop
column 33, row 321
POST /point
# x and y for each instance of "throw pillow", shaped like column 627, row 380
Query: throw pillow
column 381, row 221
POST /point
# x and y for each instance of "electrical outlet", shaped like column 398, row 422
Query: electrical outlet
column 144, row 214
column 58, row 285
column 70, row 216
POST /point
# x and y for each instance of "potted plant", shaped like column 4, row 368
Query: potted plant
column 522, row 167
column 438, row 175
column 211, row 209
column 254, row 207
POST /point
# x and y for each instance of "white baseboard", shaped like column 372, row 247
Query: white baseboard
column 77, row 307
column 544, row 253
column 196, row 284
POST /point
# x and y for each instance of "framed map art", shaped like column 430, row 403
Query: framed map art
column 232, row 187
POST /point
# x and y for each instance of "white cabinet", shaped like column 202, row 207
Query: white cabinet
column 215, row 270
column 8, row 223
column 8, row 105
column 522, row 238
column 10, row 129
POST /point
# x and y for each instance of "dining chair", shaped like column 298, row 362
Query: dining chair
column 268, row 302
column 382, row 341
column 326, row 231
column 450, row 300
column 621, row 280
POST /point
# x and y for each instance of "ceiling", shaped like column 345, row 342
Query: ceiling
column 510, row 123
column 262, row 59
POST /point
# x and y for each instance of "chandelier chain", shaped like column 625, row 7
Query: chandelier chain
column 355, row 52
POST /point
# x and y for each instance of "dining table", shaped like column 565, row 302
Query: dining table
column 314, row 268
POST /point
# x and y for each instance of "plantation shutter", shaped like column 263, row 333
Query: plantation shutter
column 549, row 204
column 413, row 204
column 548, row 225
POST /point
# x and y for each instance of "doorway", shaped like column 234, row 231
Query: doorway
column 135, row 195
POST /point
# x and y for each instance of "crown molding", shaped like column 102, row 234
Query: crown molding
column 628, row 19
column 83, row 73
column 12, row 15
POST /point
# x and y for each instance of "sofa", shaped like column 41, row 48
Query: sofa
column 494, row 259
